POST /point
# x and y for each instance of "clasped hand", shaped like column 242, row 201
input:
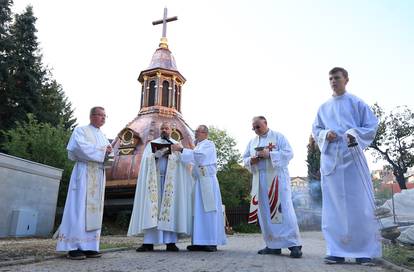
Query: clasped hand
column 331, row 136
column 176, row 147
column 262, row 154
column 108, row 149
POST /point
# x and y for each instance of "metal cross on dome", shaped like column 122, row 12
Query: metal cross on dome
column 164, row 22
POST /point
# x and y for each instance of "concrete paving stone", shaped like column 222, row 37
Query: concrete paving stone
column 240, row 254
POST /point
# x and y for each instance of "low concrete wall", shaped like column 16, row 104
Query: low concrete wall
column 27, row 186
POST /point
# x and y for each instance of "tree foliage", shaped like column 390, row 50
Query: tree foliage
column 42, row 143
column 5, row 47
column 313, row 160
column 5, row 42
column 394, row 141
column 26, row 85
column 235, row 182
column 225, row 146
column 314, row 174
column 233, row 178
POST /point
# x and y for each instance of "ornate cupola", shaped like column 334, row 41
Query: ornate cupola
column 161, row 91
column 161, row 83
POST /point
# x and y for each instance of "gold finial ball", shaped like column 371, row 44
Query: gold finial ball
column 164, row 42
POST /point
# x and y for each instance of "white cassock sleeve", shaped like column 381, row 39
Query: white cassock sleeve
column 187, row 156
column 319, row 133
column 81, row 150
column 365, row 132
column 203, row 154
column 206, row 154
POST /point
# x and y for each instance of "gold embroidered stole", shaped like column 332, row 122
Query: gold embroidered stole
column 95, row 189
column 167, row 204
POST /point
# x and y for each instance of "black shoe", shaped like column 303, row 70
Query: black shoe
column 274, row 251
column 365, row 261
column 295, row 251
column 334, row 260
column 194, row 248
column 145, row 247
column 76, row 255
column 92, row 254
column 209, row 248
column 172, row 247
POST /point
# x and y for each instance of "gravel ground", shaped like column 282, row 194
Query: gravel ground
column 22, row 248
column 240, row 254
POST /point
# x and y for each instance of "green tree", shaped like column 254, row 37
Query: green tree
column 313, row 160
column 314, row 175
column 28, row 87
column 5, row 46
column 394, row 141
column 225, row 146
column 234, row 179
column 55, row 106
column 25, row 72
column 42, row 143
column 235, row 185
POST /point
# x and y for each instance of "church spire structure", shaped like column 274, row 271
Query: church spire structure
column 160, row 92
column 161, row 81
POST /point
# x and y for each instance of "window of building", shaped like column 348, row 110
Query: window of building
column 151, row 95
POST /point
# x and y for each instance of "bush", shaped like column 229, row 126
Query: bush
column 42, row 143
column 247, row 228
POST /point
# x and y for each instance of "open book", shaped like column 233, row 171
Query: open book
column 158, row 146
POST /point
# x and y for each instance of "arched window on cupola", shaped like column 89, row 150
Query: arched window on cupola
column 142, row 96
column 179, row 99
column 151, row 95
column 176, row 97
column 165, row 93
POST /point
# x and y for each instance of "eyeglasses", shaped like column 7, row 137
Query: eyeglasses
column 101, row 115
column 255, row 127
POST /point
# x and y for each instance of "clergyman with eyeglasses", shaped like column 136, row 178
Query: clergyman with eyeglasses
column 80, row 230
column 267, row 157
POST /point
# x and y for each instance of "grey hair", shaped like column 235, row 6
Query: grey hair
column 260, row 117
column 204, row 127
column 93, row 110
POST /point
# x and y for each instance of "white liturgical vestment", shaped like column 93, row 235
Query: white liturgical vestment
column 208, row 227
column 271, row 197
column 82, row 215
column 348, row 220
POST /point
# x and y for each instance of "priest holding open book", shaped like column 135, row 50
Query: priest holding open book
column 162, row 205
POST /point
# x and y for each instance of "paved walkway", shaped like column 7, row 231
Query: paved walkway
column 240, row 254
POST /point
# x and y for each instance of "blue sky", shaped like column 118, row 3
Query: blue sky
column 240, row 58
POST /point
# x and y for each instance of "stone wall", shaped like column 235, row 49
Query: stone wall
column 30, row 190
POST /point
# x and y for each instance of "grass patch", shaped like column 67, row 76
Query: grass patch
column 399, row 255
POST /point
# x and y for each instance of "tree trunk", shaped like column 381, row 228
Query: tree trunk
column 401, row 181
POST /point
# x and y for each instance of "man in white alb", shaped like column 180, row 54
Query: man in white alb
column 80, row 230
column 208, row 222
column 348, row 221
